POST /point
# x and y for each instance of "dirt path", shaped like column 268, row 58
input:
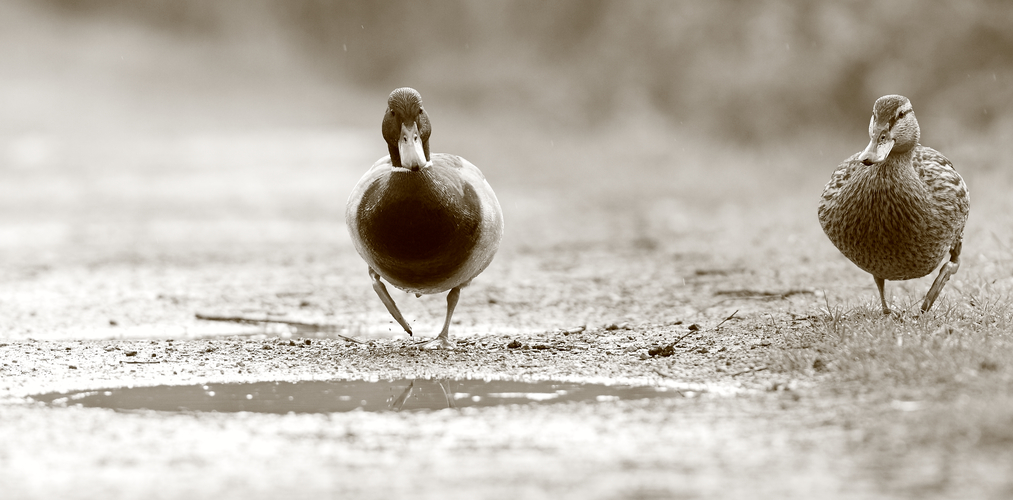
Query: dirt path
column 743, row 429
column 591, row 280
column 146, row 178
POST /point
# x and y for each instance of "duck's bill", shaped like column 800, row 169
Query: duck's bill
column 413, row 156
column 876, row 151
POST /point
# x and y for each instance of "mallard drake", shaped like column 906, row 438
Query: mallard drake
column 425, row 223
column 897, row 208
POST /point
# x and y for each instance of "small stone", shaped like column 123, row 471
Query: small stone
column 514, row 345
column 664, row 352
column 694, row 327
column 131, row 353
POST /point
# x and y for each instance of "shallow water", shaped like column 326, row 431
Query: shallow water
column 348, row 395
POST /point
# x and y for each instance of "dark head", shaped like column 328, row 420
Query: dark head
column 406, row 129
column 893, row 129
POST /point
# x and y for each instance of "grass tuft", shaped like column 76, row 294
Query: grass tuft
column 957, row 345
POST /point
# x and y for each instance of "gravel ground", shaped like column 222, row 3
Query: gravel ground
column 726, row 437
column 117, row 322
column 145, row 182
column 587, row 295
column 741, row 429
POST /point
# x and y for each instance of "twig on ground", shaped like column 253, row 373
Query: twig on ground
column 265, row 319
column 671, row 346
column 231, row 319
column 730, row 316
column 762, row 295
column 680, row 339
column 716, row 327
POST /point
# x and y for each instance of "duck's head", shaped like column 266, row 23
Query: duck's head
column 893, row 129
column 406, row 129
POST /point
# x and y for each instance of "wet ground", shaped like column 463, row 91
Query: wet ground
column 319, row 396
column 729, row 425
column 175, row 235
column 698, row 300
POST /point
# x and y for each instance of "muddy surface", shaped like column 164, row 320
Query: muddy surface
column 167, row 218
column 704, row 306
column 533, row 316
column 612, row 315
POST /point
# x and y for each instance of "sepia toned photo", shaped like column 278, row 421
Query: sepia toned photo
column 506, row 249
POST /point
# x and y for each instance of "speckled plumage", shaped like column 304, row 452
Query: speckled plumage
column 898, row 208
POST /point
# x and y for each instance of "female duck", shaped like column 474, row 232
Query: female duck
column 898, row 208
column 425, row 223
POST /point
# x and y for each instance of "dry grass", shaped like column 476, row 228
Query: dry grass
column 952, row 344
column 918, row 385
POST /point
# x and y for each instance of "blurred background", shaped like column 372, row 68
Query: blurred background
column 146, row 129
column 163, row 109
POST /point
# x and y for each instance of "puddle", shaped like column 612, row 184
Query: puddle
column 340, row 396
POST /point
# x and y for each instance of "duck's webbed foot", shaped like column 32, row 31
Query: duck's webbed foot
column 439, row 342
column 442, row 341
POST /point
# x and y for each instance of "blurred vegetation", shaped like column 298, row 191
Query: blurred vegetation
column 750, row 70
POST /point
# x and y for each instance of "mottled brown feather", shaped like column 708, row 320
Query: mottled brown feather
column 899, row 219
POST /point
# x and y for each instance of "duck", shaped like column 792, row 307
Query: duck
column 426, row 223
column 897, row 209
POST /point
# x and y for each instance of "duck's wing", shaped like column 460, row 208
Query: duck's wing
column 492, row 213
column 946, row 186
column 838, row 180
column 381, row 168
column 490, row 231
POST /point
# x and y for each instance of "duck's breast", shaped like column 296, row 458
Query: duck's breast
column 425, row 231
column 886, row 223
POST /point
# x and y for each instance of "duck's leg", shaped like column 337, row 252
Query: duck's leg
column 882, row 297
column 381, row 291
column 442, row 341
column 948, row 269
